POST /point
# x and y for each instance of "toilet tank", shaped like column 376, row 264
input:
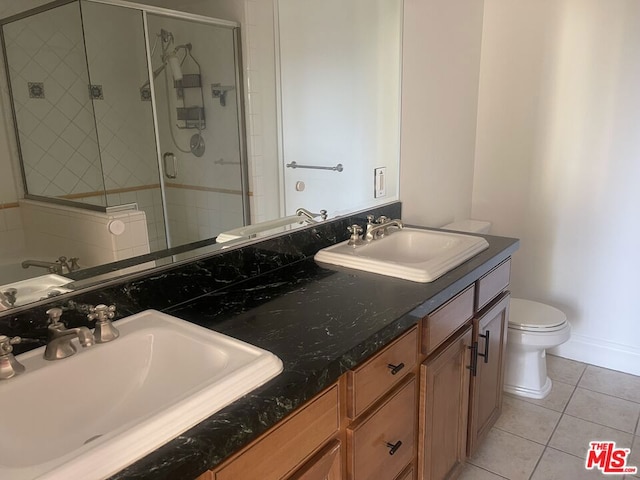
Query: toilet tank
column 471, row 226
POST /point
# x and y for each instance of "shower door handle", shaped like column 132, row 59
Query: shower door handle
column 165, row 159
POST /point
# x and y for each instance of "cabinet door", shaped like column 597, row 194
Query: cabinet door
column 444, row 409
column 490, row 333
column 326, row 465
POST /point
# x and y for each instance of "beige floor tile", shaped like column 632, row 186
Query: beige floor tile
column 556, row 400
column 610, row 382
column 527, row 420
column 634, row 458
column 557, row 465
column 604, row 409
column 574, row 434
column 564, row 370
column 507, row 455
column 471, row 472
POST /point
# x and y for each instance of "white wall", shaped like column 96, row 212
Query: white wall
column 340, row 86
column 558, row 144
column 441, row 51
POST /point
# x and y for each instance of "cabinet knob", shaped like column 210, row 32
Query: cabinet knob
column 393, row 447
column 395, row 368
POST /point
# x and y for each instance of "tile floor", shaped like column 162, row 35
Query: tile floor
column 548, row 439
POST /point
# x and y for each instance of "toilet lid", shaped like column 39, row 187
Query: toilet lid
column 529, row 315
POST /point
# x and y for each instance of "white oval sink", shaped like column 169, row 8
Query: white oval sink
column 90, row 415
column 410, row 253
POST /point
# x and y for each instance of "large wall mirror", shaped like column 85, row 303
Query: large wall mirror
column 144, row 131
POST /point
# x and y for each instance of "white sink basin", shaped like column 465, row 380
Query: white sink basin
column 37, row 288
column 90, row 415
column 411, row 253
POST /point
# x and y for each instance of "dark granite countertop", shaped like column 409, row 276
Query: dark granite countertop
column 320, row 321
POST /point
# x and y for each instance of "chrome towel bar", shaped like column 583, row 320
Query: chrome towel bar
column 337, row 168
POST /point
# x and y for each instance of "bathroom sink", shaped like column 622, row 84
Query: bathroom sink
column 37, row 288
column 90, row 415
column 410, row 253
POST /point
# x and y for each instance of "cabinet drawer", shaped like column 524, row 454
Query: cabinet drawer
column 371, row 380
column 443, row 322
column 370, row 440
column 283, row 448
column 493, row 283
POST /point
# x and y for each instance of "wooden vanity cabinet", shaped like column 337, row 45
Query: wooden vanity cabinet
column 413, row 411
column 444, row 407
column 382, row 403
column 490, row 326
column 295, row 446
column 490, row 333
column 444, row 387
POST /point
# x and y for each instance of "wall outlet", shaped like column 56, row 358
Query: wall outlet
column 380, row 182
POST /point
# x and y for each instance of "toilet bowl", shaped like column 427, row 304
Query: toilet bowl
column 533, row 328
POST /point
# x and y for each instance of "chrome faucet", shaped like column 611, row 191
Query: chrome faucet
column 60, row 266
column 9, row 366
column 104, row 331
column 303, row 212
column 59, row 337
column 380, row 229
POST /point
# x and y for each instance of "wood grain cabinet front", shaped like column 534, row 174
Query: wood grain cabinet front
column 374, row 378
column 381, row 443
column 325, row 465
column 444, row 407
column 490, row 337
column 283, row 449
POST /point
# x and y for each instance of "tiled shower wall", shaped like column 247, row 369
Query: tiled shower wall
column 51, row 95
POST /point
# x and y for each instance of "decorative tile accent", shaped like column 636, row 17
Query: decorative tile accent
column 95, row 92
column 36, row 89
column 145, row 94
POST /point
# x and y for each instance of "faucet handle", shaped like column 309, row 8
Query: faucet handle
column 383, row 219
column 7, row 342
column 104, row 331
column 54, row 315
column 355, row 230
column 371, row 219
column 102, row 313
column 9, row 365
column 10, row 294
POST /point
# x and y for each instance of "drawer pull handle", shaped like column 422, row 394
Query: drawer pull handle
column 395, row 368
column 393, row 447
column 485, row 355
column 474, row 359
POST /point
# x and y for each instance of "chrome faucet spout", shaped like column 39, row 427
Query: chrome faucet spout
column 379, row 230
column 59, row 337
column 52, row 267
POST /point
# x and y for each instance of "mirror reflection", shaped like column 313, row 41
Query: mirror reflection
column 134, row 142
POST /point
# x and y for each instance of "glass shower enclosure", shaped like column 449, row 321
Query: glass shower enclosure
column 120, row 105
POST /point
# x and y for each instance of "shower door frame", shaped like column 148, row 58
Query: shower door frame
column 237, row 53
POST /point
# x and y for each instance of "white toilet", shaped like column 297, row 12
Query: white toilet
column 533, row 328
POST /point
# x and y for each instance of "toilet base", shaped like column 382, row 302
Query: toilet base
column 529, row 392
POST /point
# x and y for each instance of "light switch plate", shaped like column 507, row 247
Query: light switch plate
column 380, row 182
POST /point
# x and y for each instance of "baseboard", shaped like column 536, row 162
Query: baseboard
column 602, row 353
